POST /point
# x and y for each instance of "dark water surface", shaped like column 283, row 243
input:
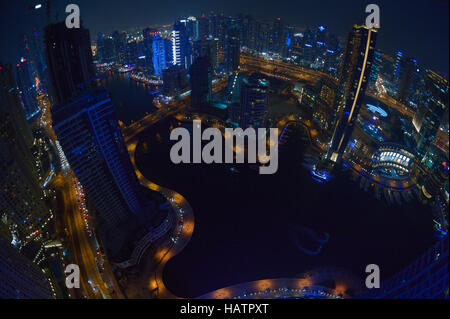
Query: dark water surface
column 132, row 100
column 244, row 223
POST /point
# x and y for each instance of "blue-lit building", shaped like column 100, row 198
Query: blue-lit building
column 149, row 35
column 89, row 134
column 426, row 278
column 159, row 55
column 355, row 71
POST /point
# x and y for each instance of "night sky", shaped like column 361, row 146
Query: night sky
column 418, row 28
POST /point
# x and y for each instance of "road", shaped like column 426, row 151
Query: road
column 132, row 130
column 71, row 223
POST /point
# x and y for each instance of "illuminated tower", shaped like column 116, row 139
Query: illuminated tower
column 159, row 55
column 403, row 70
column 432, row 107
column 180, row 46
column 356, row 67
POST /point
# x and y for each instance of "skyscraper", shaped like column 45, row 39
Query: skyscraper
column 19, row 277
column 279, row 37
column 174, row 80
column 90, row 136
column 208, row 47
column 375, row 69
column 403, row 71
column 432, row 107
column 201, row 83
column 181, row 51
column 105, row 48
column 149, row 35
column 356, row 67
column 254, row 95
column 120, row 43
column 159, row 55
column 191, row 24
column 203, row 27
column 69, row 59
column 232, row 49
column 22, row 208
column 27, row 88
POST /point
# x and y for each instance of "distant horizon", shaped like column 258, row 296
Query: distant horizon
column 418, row 28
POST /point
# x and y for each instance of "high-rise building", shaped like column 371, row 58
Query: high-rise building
column 35, row 53
column 159, row 55
column 232, row 50
column 120, row 43
column 403, row 70
column 191, row 24
column 131, row 56
column 201, row 83
column 355, row 70
column 208, row 47
column 432, row 107
column 181, row 49
column 90, row 136
column 203, row 27
column 105, row 48
column 375, row 70
column 434, row 182
column 27, row 88
column 19, row 277
column 149, row 35
column 254, row 95
column 22, row 208
column 174, row 80
column 69, row 59
column 279, row 37
column 218, row 27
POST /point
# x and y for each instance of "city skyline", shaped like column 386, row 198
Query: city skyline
column 405, row 22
